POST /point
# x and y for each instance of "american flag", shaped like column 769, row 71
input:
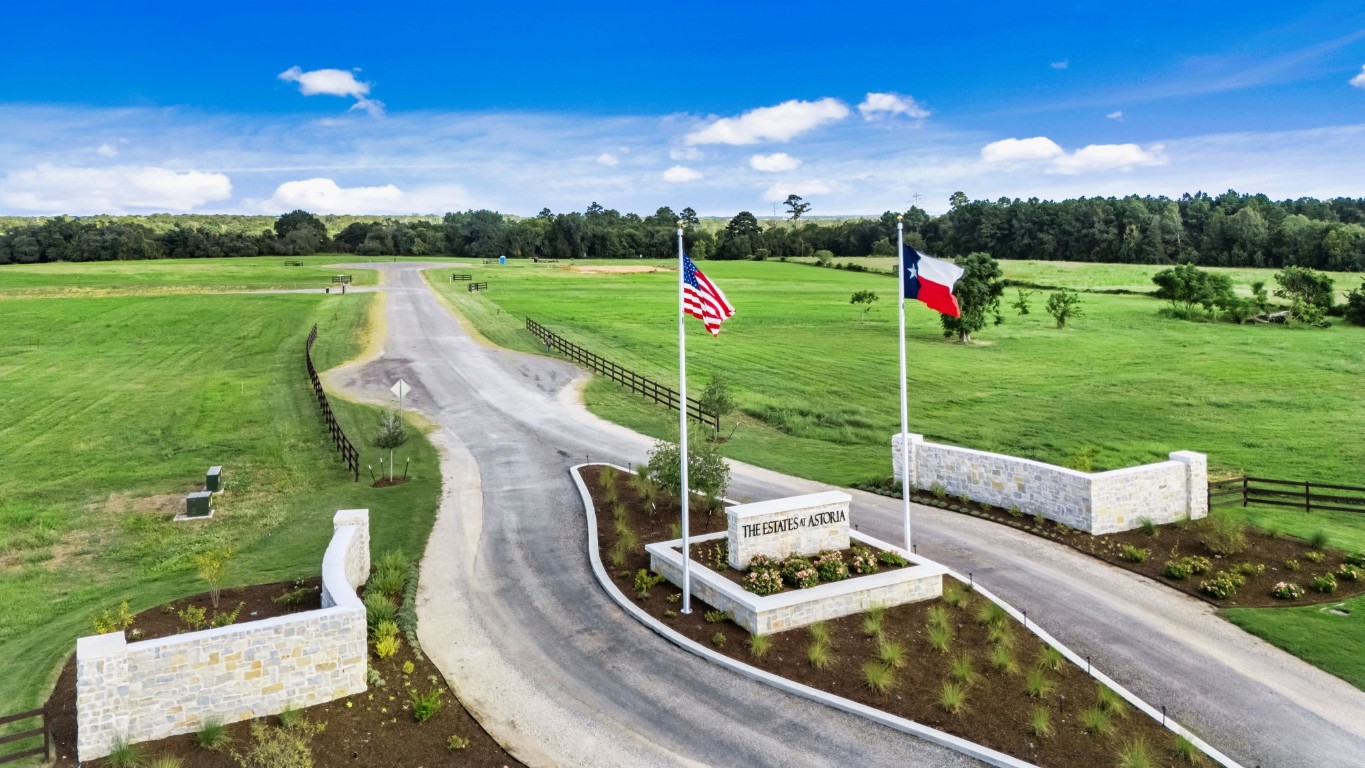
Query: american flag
column 702, row 299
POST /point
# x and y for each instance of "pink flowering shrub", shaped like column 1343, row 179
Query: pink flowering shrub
column 831, row 566
column 864, row 561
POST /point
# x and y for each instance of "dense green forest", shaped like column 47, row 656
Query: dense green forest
column 1227, row 230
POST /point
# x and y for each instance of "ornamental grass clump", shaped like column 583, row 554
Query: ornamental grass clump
column 941, row 638
column 379, row 608
column 425, row 705
column 1187, row 752
column 1001, row 635
column 1319, row 539
column 1134, row 554
column 1110, row 702
column 1135, row 754
column 953, row 698
column 819, row 655
column 1097, row 722
column 938, row 616
column 1038, row 685
column 212, row 735
column 873, row 620
column 1040, row 723
column 1002, row 660
column 963, row 670
column 955, row 596
column 1051, row 659
column 991, row 614
column 759, row 645
column 878, row 677
column 891, row 654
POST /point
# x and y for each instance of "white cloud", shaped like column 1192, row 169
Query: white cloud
column 116, row 189
column 779, row 191
column 1359, row 80
column 325, row 196
column 685, row 153
column 608, row 159
column 1115, row 115
column 680, row 173
column 107, row 150
column 1021, row 150
column 777, row 162
column 1108, row 157
column 879, row 104
column 334, row 82
column 778, row 123
column 1063, row 64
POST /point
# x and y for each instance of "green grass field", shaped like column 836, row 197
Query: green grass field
column 175, row 276
column 1313, row 633
column 112, row 408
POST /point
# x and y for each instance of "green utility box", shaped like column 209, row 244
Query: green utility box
column 213, row 481
column 198, row 504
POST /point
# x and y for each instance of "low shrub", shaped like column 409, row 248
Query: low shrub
column 1249, row 569
column 1178, row 570
column 379, row 608
column 831, row 566
column 290, row 717
column 456, row 742
column 193, row 617
column 425, row 705
column 1357, row 559
column 388, row 582
column 409, row 667
column 387, row 647
column 889, row 558
column 1350, row 573
column 645, row 581
column 1199, row 564
column 1221, row 586
column 226, row 619
column 799, row 572
column 1287, row 590
column 385, row 629
column 765, row 582
column 1326, row 583
column 296, row 597
column 715, row 617
column 1291, row 564
column 1222, row 533
column 718, row 639
column 279, row 747
column 1314, row 556
column 863, row 561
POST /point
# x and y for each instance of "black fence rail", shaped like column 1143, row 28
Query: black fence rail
column 478, row 287
column 460, row 276
column 44, row 730
column 342, row 279
column 293, row 263
column 1298, row 494
column 348, row 452
column 647, row 387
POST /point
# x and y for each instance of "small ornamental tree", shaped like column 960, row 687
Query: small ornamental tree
column 978, row 296
column 1355, row 305
column 864, row 297
column 1187, row 287
column 717, row 398
column 392, row 434
column 707, row 471
column 1021, row 303
column 1309, row 292
column 1062, row 305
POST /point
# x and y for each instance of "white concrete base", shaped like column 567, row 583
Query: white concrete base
column 182, row 517
column 766, row 614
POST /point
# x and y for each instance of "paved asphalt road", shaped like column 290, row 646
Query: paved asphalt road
column 510, row 610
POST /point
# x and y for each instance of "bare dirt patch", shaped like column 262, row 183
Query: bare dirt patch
column 615, row 269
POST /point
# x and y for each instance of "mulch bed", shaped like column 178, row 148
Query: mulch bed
column 999, row 710
column 373, row 728
column 1264, row 552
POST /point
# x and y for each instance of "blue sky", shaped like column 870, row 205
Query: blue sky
column 859, row 107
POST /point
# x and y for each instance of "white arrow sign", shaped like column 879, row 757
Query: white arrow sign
column 400, row 389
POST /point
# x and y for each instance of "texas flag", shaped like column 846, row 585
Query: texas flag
column 931, row 281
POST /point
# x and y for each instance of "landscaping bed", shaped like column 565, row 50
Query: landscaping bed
column 1254, row 562
column 373, row 728
column 959, row 664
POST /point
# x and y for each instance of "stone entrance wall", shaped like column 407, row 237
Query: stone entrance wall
column 157, row 688
column 1098, row 502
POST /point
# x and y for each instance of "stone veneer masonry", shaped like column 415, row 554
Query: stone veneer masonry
column 762, row 615
column 802, row 525
column 1099, row 502
column 157, row 688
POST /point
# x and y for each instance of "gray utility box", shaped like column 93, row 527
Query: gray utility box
column 213, row 481
column 198, row 504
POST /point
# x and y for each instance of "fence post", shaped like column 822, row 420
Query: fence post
column 1244, row 490
column 1307, row 497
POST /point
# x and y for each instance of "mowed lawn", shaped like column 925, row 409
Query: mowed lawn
column 176, row 276
column 111, row 409
column 816, row 380
column 1316, row 634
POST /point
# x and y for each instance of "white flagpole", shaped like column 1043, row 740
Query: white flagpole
column 906, row 487
column 682, row 431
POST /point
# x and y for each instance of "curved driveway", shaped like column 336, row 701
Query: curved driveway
column 510, row 611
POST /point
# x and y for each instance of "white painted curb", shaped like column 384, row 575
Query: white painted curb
column 934, row 735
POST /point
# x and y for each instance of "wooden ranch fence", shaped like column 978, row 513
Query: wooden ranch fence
column 637, row 383
column 1298, row 494
column 460, row 276
column 348, row 452
column 44, row 730
column 478, row 287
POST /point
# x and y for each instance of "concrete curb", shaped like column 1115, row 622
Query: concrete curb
column 988, row 756
column 934, row 735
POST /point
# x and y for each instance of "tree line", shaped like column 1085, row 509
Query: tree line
column 1227, row 230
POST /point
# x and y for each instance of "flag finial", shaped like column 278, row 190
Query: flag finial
column 899, row 218
column 680, row 223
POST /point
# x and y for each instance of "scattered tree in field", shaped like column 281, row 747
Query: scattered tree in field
column 392, row 434
column 1260, row 300
column 1187, row 287
column 212, row 567
column 978, row 296
column 796, row 208
column 1021, row 303
column 707, row 472
column 742, row 236
column 1355, row 305
column 717, row 398
column 864, row 297
column 1063, row 305
column 301, row 232
column 1309, row 293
